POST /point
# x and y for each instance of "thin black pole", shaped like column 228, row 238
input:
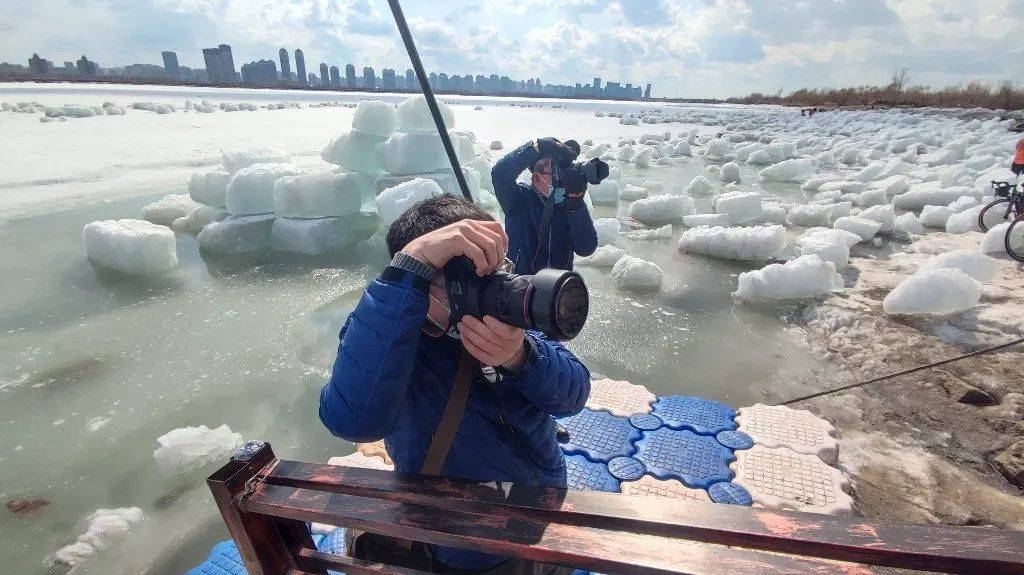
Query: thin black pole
column 414, row 56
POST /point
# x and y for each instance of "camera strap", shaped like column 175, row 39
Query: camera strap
column 444, row 435
column 543, row 237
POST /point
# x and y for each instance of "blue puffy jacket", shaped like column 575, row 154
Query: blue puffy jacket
column 390, row 381
column 570, row 232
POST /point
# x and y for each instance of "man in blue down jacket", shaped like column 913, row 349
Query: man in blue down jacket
column 398, row 356
column 571, row 228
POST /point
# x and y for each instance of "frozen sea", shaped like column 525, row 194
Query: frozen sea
column 93, row 368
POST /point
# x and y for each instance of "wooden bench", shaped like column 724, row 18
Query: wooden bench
column 266, row 503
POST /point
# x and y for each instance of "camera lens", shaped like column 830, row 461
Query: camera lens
column 554, row 302
column 559, row 303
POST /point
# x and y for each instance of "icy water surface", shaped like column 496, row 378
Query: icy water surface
column 94, row 368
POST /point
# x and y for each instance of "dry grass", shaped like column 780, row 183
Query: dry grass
column 1006, row 96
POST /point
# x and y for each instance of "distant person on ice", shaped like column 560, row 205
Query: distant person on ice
column 397, row 364
column 1018, row 159
column 555, row 194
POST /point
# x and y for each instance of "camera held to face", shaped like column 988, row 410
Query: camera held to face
column 554, row 302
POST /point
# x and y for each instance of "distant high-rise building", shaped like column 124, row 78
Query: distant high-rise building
column 387, row 77
column 220, row 65
column 312, row 80
column 286, row 67
column 335, row 77
column 300, row 67
column 69, row 68
column 171, row 67
column 597, row 85
column 369, row 79
column 411, row 83
column 260, row 73
column 432, row 80
column 86, row 68
column 325, row 76
column 39, row 65
column 647, row 92
column 350, row 77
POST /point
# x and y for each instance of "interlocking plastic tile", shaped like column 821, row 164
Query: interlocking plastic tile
column 224, row 559
column 779, row 478
column 626, row 468
column 646, row 421
column 730, row 493
column 696, row 460
column 583, row 474
column 735, row 439
column 599, row 435
column 619, row 397
column 798, row 430
column 701, row 416
column 669, row 488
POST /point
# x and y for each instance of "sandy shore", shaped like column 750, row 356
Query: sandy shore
column 923, row 447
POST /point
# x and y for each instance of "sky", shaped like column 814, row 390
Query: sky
column 685, row 48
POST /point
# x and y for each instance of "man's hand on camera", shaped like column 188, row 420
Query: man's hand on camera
column 493, row 343
column 484, row 242
column 553, row 147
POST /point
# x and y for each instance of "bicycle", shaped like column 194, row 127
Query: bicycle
column 1008, row 194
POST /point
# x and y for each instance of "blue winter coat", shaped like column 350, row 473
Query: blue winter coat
column 391, row 381
column 570, row 232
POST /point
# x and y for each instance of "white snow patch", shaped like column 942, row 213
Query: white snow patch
column 805, row 276
column 392, row 202
column 132, row 247
column 251, row 189
column 660, row 209
column 937, row 292
column 237, row 159
column 975, row 264
column 604, row 256
column 104, row 526
column 748, row 244
column 190, row 448
column 318, row 195
column 636, row 274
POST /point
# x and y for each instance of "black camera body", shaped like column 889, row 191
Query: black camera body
column 554, row 302
column 574, row 176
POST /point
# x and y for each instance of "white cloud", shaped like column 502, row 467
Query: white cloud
column 697, row 48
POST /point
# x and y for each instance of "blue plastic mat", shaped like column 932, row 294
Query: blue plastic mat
column 599, row 436
column 585, row 475
column 696, row 460
column 729, row 493
column 626, row 468
column 735, row 440
column 225, row 560
column 646, row 421
column 702, row 416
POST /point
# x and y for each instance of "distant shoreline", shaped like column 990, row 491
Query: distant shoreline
column 341, row 89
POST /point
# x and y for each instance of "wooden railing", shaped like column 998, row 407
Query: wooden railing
column 266, row 503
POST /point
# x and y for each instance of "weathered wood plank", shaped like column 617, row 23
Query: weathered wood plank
column 926, row 547
column 266, row 544
column 350, row 565
column 603, row 550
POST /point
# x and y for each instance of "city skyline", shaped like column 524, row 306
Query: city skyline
column 221, row 70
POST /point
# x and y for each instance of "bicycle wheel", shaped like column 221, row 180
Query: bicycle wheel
column 1015, row 239
column 995, row 213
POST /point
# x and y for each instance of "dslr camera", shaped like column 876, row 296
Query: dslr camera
column 554, row 302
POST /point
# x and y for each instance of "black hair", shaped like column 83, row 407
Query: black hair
column 429, row 215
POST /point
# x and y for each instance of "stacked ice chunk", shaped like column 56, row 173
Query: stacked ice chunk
column 131, row 247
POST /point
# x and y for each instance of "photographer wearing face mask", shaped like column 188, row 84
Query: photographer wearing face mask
column 548, row 221
column 403, row 354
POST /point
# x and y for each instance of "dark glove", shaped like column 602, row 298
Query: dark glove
column 553, row 147
column 575, row 188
